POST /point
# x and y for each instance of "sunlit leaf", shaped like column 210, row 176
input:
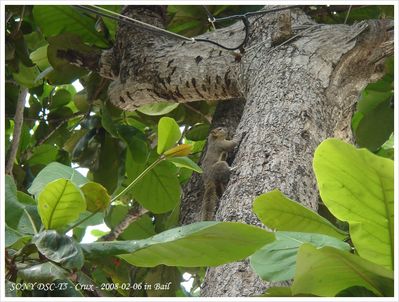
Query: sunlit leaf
column 168, row 134
column 327, row 271
column 199, row 244
column 358, row 187
column 60, row 203
column 283, row 214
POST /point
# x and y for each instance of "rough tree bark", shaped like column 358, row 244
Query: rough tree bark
column 289, row 97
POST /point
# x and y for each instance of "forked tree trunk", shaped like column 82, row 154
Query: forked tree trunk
column 289, row 97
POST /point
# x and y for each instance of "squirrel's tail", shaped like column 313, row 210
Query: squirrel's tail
column 209, row 202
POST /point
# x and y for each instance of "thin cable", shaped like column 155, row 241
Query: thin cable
column 128, row 20
column 246, row 26
column 347, row 14
column 244, row 18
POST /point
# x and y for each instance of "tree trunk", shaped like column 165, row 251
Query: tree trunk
column 292, row 94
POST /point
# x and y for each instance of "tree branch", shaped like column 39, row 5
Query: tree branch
column 18, row 120
column 132, row 215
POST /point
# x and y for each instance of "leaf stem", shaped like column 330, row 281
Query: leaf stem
column 81, row 221
column 148, row 169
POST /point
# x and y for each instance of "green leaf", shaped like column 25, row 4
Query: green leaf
column 27, row 76
column 356, row 291
column 60, row 203
column 199, row 244
column 198, row 132
column 43, row 155
column 56, row 19
column 13, row 236
column 185, row 162
column 44, row 272
column 376, row 126
column 159, row 190
column 55, row 171
column 277, row 261
column 18, row 216
column 97, row 198
column 358, row 187
column 61, row 98
column 13, row 208
column 163, row 275
column 157, row 108
column 136, row 142
column 283, row 214
column 278, row 292
column 65, row 72
column 60, row 249
column 168, row 134
column 39, row 57
column 327, row 271
column 110, row 159
column 107, row 122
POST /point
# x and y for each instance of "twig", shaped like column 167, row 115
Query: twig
column 18, row 120
column 132, row 215
column 44, row 139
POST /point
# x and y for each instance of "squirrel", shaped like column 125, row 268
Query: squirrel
column 216, row 171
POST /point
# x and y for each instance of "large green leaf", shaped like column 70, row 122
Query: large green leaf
column 327, row 271
column 283, row 214
column 60, row 203
column 276, row 261
column 168, row 134
column 44, row 272
column 199, row 244
column 358, row 187
column 52, row 172
column 56, row 19
column 60, row 249
column 159, row 190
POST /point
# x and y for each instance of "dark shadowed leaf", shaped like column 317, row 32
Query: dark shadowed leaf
column 60, row 249
column 44, row 272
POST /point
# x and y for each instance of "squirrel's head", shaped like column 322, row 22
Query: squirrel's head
column 218, row 133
